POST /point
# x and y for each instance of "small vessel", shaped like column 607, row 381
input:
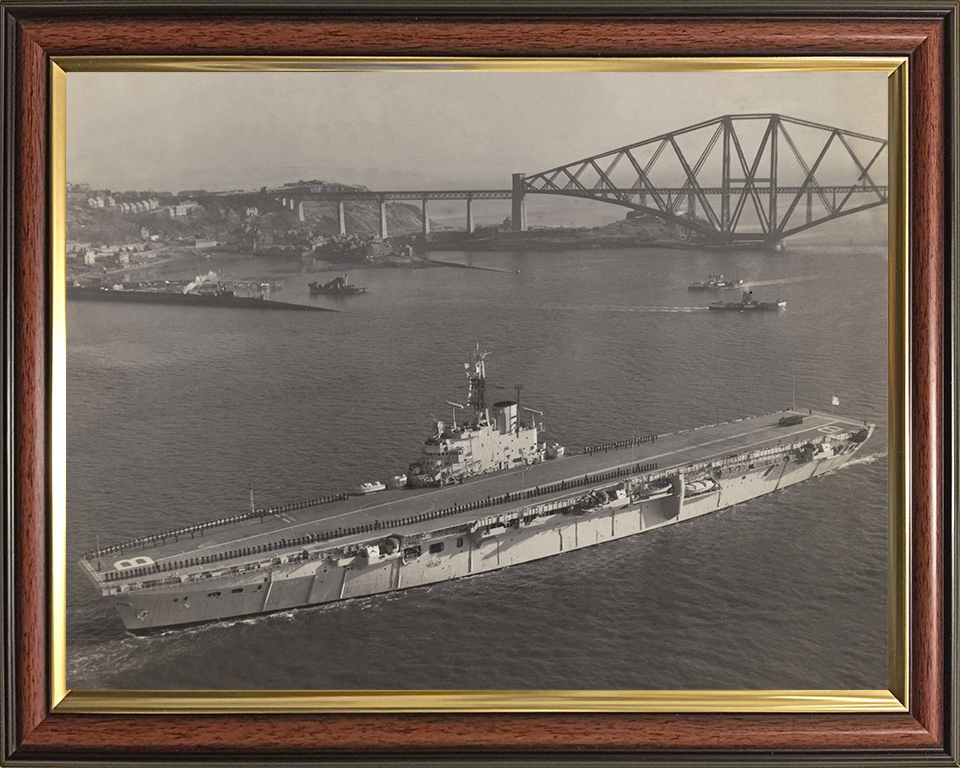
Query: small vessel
column 735, row 283
column 704, row 285
column 748, row 304
column 715, row 281
column 365, row 488
column 339, row 286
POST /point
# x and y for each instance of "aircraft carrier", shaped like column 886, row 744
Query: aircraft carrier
column 485, row 494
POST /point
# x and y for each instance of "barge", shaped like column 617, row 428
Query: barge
column 217, row 298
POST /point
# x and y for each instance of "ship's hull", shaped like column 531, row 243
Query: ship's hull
column 456, row 555
column 316, row 289
column 738, row 307
column 185, row 299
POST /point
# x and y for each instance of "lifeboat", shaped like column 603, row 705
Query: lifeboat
column 701, row 486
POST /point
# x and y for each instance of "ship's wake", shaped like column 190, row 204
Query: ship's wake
column 870, row 458
column 780, row 281
column 619, row 308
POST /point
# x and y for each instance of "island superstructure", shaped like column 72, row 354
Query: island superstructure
column 489, row 440
column 485, row 494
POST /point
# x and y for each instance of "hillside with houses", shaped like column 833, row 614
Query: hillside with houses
column 109, row 230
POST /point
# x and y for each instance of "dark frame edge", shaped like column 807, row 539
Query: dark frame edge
column 939, row 718
column 951, row 349
column 10, row 752
column 8, row 626
column 933, row 9
column 26, row 337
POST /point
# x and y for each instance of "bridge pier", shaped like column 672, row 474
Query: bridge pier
column 772, row 214
column 300, row 212
column 469, row 214
column 725, row 177
column 518, row 212
column 343, row 218
column 425, row 229
column 383, row 218
column 774, row 244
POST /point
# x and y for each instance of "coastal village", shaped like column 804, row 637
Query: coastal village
column 111, row 232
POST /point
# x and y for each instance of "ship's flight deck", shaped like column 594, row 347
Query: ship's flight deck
column 386, row 508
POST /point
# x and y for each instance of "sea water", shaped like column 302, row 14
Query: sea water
column 175, row 413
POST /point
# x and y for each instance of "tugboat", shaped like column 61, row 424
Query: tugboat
column 735, row 283
column 339, row 286
column 705, row 285
column 715, row 281
column 747, row 304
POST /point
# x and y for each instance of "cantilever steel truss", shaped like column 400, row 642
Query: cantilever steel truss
column 736, row 183
column 719, row 173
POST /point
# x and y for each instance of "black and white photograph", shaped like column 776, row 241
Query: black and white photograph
column 452, row 379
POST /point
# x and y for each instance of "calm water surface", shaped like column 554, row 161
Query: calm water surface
column 174, row 413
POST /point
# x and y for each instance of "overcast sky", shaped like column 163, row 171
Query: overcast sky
column 172, row 131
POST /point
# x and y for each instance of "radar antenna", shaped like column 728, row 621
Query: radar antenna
column 454, row 406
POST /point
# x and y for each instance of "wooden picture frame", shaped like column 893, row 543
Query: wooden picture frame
column 35, row 34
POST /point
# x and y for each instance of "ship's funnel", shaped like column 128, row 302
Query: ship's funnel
column 505, row 414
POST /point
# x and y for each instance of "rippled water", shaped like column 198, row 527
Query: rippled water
column 174, row 413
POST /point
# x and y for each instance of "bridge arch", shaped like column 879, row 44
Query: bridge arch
column 772, row 163
column 683, row 221
column 773, row 166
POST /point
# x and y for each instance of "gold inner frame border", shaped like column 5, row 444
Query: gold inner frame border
column 895, row 699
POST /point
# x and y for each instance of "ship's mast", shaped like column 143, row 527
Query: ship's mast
column 518, row 387
column 477, row 391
